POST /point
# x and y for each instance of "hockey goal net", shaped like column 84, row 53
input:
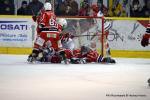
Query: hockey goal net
column 87, row 31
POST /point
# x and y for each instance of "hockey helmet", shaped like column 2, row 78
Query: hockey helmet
column 47, row 6
column 100, row 14
column 62, row 22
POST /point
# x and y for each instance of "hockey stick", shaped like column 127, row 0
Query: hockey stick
column 83, row 35
column 86, row 35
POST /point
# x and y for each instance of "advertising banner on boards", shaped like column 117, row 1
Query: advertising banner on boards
column 16, row 32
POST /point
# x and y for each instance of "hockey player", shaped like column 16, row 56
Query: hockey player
column 66, row 40
column 86, row 54
column 146, row 37
column 107, row 26
column 48, row 32
column 37, row 18
column 59, row 54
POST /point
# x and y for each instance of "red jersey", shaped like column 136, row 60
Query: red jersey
column 51, row 36
column 39, row 16
column 91, row 56
column 37, row 19
column 50, row 33
column 77, row 53
column 48, row 19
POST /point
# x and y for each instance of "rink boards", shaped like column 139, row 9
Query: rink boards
column 124, row 37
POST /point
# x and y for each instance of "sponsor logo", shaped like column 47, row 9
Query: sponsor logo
column 13, row 25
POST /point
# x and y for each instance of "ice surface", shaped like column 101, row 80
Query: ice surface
column 22, row 81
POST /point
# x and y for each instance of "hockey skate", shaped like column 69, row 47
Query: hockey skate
column 77, row 61
column 108, row 60
column 63, row 56
column 33, row 57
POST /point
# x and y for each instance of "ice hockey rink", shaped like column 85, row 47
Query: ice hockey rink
column 125, row 80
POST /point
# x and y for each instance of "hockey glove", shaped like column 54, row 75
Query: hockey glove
column 34, row 18
column 145, row 40
column 66, row 37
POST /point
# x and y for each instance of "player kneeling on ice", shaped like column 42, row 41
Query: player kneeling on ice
column 146, row 37
column 48, row 40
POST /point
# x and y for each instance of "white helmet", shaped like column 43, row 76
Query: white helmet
column 100, row 14
column 47, row 6
column 107, row 24
column 62, row 22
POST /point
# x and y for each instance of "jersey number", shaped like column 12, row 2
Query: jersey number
column 52, row 22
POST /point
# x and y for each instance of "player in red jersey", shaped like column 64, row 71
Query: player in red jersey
column 53, row 51
column 36, row 18
column 146, row 37
column 49, row 31
column 86, row 54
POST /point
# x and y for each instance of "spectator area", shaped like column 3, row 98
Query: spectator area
column 110, row 8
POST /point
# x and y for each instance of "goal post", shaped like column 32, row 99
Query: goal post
column 87, row 31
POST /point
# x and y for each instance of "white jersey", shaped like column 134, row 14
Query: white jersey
column 107, row 24
column 68, row 44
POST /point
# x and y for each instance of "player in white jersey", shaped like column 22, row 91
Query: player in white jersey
column 107, row 26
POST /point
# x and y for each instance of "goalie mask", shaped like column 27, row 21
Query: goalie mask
column 62, row 22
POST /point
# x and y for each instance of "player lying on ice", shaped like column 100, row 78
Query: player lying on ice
column 51, row 43
column 146, row 37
